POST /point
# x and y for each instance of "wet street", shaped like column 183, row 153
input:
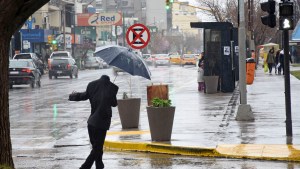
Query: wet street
column 50, row 132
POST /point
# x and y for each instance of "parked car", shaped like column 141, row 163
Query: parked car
column 161, row 59
column 24, row 71
column 63, row 67
column 189, row 59
column 37, row 61
column 93, row 62
column 175, row 59
column 148, row 59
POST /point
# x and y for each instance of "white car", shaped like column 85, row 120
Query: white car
column 161, row 59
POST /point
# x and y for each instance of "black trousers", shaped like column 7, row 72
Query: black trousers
column 97, row 138
column 270, row 65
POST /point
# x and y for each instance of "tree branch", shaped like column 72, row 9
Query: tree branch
column 16, row 12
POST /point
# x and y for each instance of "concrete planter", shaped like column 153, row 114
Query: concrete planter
column 211, row 84
column 129, row 111
column 161, row 122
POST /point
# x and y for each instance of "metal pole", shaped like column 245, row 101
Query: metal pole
column 242, row 54
column 289, row 130
column 64, row 26
column 123, row 31
column 244, row 112
column 116, row 33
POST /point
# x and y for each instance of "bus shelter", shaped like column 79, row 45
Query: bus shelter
column 221, row 52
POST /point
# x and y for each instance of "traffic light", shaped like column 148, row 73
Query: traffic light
column 270, row 19
column 49, row 38
column 286, row 16
column 54, row 42
column 168, row 4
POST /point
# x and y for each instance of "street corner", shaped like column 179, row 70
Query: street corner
column 260, row 151
column 140, row 140
column 160, row 147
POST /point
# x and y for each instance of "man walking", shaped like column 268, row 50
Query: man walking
column 102, row 96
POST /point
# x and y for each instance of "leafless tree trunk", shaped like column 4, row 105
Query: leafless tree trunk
column 13, row 14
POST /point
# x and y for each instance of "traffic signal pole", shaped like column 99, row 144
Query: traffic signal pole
column 289, row 130
column 286, row 23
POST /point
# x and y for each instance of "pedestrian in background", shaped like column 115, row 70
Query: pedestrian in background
column 102, row 96
column 281, row 61
column 200, row 79
column 270, row 59
column 277, row 63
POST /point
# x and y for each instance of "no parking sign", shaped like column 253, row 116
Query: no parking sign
column 138, row 36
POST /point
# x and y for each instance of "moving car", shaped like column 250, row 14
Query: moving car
column 24, row 71
column 37, row 61
column 161, row 59
column 175, row 59
column 59, row 54
column 189, row 59
column 63, row 67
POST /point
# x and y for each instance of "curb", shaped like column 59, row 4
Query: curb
column 161, row 148
column 239, row 151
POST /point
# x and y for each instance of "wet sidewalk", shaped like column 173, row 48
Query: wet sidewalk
column 205, row 125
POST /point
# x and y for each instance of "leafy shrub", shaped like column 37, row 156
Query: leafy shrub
column 157, row 102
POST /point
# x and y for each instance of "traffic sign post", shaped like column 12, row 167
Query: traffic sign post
column 138, row 36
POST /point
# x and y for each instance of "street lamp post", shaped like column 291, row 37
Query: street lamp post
column 244, row 112
column 64, row 26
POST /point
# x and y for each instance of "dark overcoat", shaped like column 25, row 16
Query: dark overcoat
column 102, row 94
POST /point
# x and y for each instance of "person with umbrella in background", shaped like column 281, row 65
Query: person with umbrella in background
column 102, row 94
column 271, row 59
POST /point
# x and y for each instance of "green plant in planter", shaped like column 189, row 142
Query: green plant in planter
column 157, row 102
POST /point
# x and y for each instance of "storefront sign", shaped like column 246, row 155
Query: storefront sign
column 35, row 35
column 99, row 19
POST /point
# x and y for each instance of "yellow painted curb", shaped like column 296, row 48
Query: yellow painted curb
column 261, row 151
column 246, row 151
column 161, row 148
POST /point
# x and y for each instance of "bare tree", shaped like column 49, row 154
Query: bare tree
column 215, row 9
column 228, row 11
column 13, row 14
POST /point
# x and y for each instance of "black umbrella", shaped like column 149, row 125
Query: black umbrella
column 123, row 58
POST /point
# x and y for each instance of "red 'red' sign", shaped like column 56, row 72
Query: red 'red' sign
column 138, row 36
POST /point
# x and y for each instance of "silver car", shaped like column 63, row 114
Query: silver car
column 93, row 62
column 161, row 59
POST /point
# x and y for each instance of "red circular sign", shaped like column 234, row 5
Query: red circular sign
column 138, row 36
